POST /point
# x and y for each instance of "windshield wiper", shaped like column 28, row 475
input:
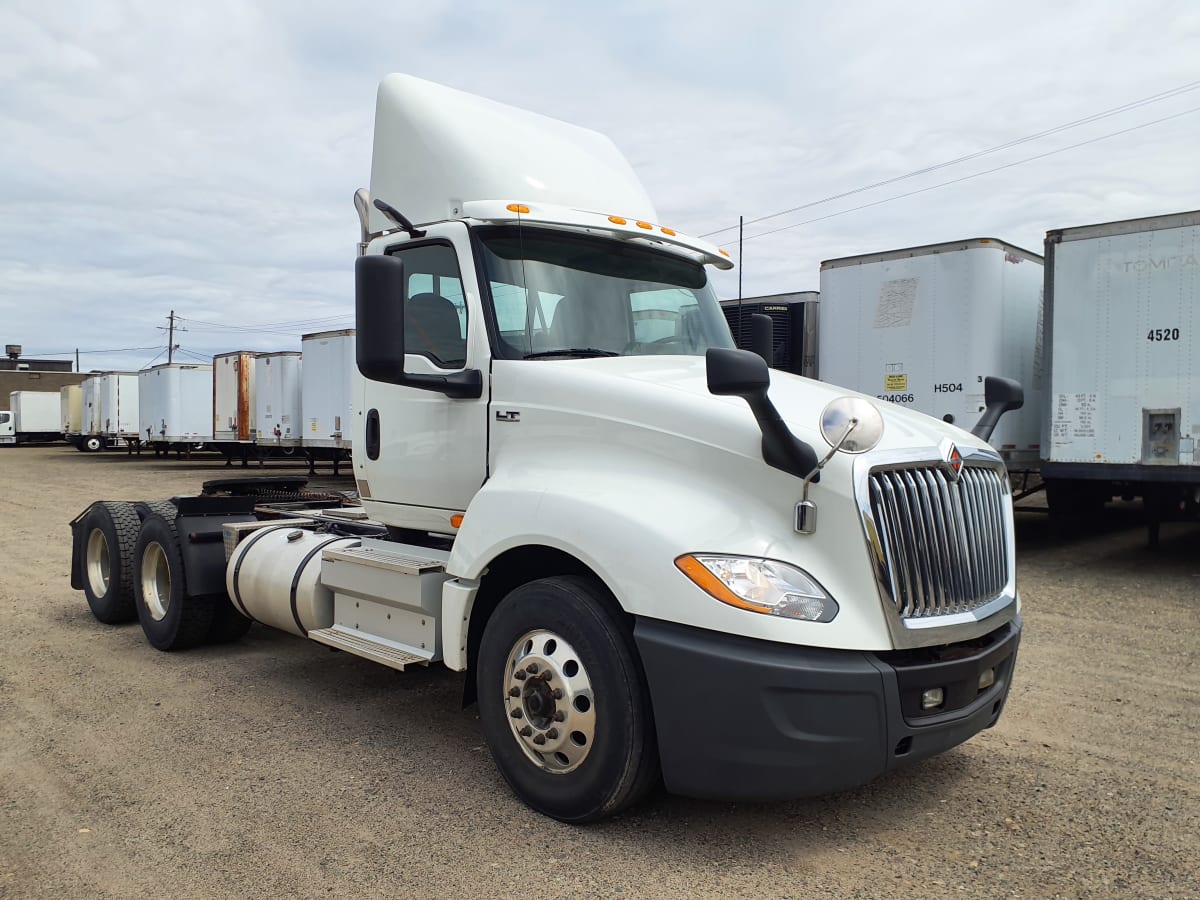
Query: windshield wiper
column 571, row 351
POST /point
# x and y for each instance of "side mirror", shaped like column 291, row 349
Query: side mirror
column 762, row 337
column 736, row 373
column 379, row 307
column 379, row 317
column 740, row 373
column 999, row 396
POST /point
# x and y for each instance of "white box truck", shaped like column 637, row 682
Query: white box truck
column 277, row 399
column 924, row 326
column 176, row 407
column 1122, row 302
column 326, row 396
column 35, row 416
column 658, row 559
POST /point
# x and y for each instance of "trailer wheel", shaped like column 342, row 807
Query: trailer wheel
column 170, row 619
column 111, row 531
column 91, row 444
column 563, row 701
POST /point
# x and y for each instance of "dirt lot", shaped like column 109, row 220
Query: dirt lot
column 274, row 767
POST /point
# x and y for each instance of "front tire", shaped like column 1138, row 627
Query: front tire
column 563, row 701
column 111, row 532
column 91, row 444
column 170, row 619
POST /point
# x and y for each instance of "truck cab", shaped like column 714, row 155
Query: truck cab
column 544, row 385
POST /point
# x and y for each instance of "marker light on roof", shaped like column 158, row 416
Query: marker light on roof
column 645, row 225
column 617, row 220
column 517, row 208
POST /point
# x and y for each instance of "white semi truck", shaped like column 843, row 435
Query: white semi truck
column 655, row 558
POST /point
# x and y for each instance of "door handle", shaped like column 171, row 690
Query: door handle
column 373, row 434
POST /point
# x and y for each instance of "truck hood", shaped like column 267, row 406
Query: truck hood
column 670, row 393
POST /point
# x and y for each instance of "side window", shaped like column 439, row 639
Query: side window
column 4, row 417
column 435, row 317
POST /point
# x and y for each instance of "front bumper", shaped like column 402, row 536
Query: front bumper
column 745, row 719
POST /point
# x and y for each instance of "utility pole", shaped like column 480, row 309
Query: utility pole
column 76, row 359
column 171, row 338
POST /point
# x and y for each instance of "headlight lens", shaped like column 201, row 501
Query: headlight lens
column 760, row 585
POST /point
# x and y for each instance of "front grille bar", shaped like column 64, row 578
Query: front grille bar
column 943, row 540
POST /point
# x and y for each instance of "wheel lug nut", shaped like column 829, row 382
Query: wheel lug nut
column 526, row 732
column 514, row 692
column 547, row 675
column 532, row 668
column 539, row 739
column 552, row 733
column 520, row 675
column 560, row 716
column 516, row 714
column 557, row 693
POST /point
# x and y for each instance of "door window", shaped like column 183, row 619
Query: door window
column 435, row 314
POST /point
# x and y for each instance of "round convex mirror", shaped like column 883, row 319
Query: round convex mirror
column 839, row 413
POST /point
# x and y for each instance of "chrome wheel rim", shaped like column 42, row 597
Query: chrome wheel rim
column 156, row 581
column 549, row 702
column 99, row 563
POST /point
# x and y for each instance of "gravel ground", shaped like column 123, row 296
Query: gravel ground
column 273, row 767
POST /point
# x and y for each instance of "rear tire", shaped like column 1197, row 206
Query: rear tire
column 563, row 701
column 228, row 624
column 170, row 619
column 110, row 531
column 91, row 444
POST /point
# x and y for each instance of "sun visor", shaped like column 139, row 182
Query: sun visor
column 436, row 148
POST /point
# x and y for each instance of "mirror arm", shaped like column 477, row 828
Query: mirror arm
column 780, row 448
column 464, row 385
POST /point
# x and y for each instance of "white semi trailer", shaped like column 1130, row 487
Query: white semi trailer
column 109, row 411
column 658, row 559
column 327, row 396
column 924, row 326
column 176, row 407
column 1122, row 300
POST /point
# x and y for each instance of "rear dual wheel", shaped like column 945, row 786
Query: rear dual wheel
column 110, row 531
column 563, row 701
column 170, row 619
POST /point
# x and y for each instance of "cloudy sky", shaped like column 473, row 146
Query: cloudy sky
column 202, row 157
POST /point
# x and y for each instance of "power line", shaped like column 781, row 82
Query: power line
column 267, row 326
column 1010, row 165
column 1007, row 145
column 73, row 352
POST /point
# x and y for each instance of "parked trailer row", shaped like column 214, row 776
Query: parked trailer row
column 1099, row 333
column 245, row 403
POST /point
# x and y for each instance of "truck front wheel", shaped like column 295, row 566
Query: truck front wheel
column 110, row 530
column 170, row 618
column 563, row 701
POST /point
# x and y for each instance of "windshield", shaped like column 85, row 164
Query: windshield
column 558, row 294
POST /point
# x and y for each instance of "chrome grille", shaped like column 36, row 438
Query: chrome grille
column 943, row 542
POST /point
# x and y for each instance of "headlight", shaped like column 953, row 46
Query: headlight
column 760, row 585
